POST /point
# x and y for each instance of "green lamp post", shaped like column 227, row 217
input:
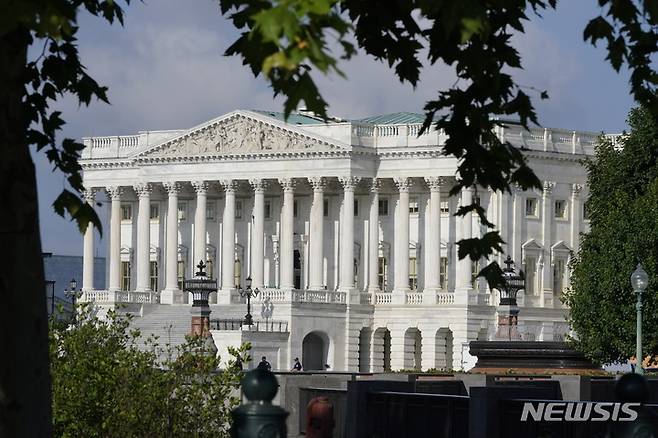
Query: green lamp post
column 639, row 281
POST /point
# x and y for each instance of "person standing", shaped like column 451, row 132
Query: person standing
column 297, row 365
column 264, row 364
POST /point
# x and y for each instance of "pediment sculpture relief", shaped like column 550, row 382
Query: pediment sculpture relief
column 238, row 136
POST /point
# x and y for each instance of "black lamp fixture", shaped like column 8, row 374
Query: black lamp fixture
column 248, row 292
column 200, row 286
column 512, row 283
column 73, row 294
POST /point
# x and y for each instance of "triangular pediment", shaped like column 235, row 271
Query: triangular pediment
column 239, row 133
column 532, row 245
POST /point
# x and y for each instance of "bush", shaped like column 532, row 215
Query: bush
column 109, row 381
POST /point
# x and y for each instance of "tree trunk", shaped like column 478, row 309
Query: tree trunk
column 25, row 401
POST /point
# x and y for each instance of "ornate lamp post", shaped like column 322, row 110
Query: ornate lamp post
column 508, row 311
column 73, row 294
column 200, row 286
column 639, row 281
column 248, row 292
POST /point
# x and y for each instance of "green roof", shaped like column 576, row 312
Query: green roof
column 394, row 118
column 293, row 118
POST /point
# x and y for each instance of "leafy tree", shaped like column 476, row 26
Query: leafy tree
column 623, row 184
column 28, row 89
column 110, row 382
column 285, row 41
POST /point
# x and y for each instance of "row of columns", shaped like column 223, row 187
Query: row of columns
column 319, row 184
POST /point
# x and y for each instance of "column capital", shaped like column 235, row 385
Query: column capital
column 172, row 187
column 259, row 185
column 548, row 188
column 89, row 195
column 402, row 183
column 319, row 183
column 200, row 187
column 229, row 185
column 349, row 182
column 375, row 185
column 114, row 192
column 576, row 189
column 288, row 184
column 516, row 188
column 435, row 183
column 143, row 189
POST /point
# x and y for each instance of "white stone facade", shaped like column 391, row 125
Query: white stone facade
column 346, row 228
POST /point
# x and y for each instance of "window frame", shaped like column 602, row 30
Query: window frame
column 239, row 209
column 182, row 211
column 565, row 213
column 414, row 205
column 126, row 274
column 126, row 206
column 157, row 208
column 383, row 202
column 444, row 266
column 211, row 207
column 535, row 204
column 153, row 279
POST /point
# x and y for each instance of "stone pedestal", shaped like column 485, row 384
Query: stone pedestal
column 508, row 318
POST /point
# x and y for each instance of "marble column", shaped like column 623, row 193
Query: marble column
column 373, row 237
column 433, row 252
column 576, row 216
column 316, row 259
column 143, row 191
column 171, row 294
column 518, row 209
column 287, row 277
column 258, row 238
column 546, row 221
column 401, row 250
column 88, row 250
column 464, row 283
column 114, row 194
column 201, row 189
column 228, row 238
column 346, row 277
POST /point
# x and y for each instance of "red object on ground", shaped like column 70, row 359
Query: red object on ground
column 319, row 418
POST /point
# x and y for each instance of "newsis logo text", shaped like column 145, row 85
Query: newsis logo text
column 579, row 411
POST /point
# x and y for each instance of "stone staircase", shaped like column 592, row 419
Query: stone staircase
column 170, row 323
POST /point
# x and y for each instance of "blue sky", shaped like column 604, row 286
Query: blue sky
column 165, row 70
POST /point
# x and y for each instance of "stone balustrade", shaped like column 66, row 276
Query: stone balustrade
column 110, row 297
column 445, row 298
column 318, row 296
column 414, row 298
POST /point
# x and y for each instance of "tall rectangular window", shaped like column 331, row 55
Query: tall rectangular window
column 530, row 275
column 126, row 212
column 356, row 207
column 325, row 208
column 238, row 208
column 154, row 211
column 443, row 273
column 382, row 273
column 413, row 206
column 153, row 267
column 181, row 273
column 558, row 276
column 383, row 207
column 413, row 273
column 586, row 210
column 531, row 207
column 445, row 207
column 475, row 270
column 294, row 208
column 560, row 209
column 125, row 275
column 210, row 211
column 182, row 211
column 268, row 209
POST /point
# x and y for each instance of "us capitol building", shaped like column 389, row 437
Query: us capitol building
column 346, row 228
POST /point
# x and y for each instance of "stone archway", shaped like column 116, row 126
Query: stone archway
column 412, row 349
column 381, row 351
column 444, row 349
column 364, row 349
column 315, row 348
